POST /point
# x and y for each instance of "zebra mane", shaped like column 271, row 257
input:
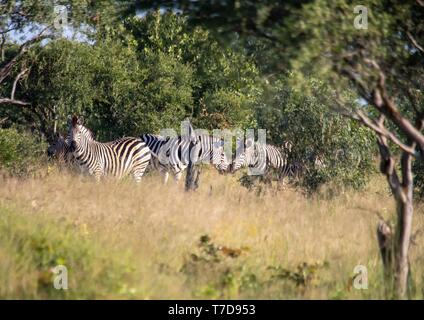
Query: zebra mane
column 87, row 133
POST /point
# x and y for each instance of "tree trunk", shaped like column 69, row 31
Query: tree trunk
column 394, row 250
column 193, row 171
column 403, row 232
column 2, row 42
column 192, row 178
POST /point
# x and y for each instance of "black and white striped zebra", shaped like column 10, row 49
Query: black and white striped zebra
column 172, row 153
column 261, row 157
column 60, row 150
column 154, row 142
column 118, row 158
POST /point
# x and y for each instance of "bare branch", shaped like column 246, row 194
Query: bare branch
column 363, row 89
column 13, row 101
column 414, row 42
column 20, row 74
column 385, row 105
column 378, row 128
column 5, row 71
column 388, row 168
column 3, row 41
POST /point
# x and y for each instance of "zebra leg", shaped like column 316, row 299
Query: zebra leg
column 137, row 176
column 165, row 177
column 163, row 170
column 97, row 176
column 177, row 172
column 139, row 171
column 177, row 176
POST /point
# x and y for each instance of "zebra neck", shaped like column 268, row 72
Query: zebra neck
column 85, row 147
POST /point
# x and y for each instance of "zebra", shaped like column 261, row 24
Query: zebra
column 262, row 157
column 154, row 142
column 60, row 150
column 171, row 154
column 117, row 158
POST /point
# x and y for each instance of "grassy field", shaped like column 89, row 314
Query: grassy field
column 119, row 240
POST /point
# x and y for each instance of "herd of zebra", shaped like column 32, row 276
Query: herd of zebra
column 132, row 156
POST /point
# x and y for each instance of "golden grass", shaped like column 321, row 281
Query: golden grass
column 159, row 228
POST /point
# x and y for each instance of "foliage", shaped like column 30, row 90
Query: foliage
column 303, row 276
column 219, row 274
column 147, row 74
column 223, row 81
column 214, row 269
column 20, row 153
column 33, row 246
column 30, row 14
column 327, row 147
column 418, row 170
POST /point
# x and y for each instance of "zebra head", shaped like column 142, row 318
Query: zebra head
column 78, row 133
column 244, row 154
column 287, row 146
column 60, row 149
column 55, row 147
column 223, row 163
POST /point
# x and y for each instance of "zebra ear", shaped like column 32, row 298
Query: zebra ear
column 81, row 120
column 239, row 141
column 288, row 145
column 74, row 121
column 249, row 143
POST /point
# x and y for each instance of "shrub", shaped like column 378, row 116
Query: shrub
column 418, row 170
column 20, row 152
column 327, row 147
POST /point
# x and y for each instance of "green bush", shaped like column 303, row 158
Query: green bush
column 327, row 147
column 418, row 171
column 144, row 75
column 20, row 153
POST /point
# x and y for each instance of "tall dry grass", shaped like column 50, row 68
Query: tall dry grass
column 278, row 245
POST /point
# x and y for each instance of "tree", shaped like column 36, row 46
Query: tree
column 382, row 64
column 326, row 148
column 31, row 22
column 223, row 80
column 8, row 67
column 385, row 67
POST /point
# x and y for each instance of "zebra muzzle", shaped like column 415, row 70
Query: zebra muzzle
column 73, row 146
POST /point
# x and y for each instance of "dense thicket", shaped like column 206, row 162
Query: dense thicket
column 144, row 74
column 327, row 147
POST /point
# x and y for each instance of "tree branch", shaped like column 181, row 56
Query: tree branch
column 385, row 105
column 387, row 167
column 414, row 42
column 363, row 89
column 3, row 41
column 20, row 74
column 379, row 129
column 7, row 69
column 13, row 101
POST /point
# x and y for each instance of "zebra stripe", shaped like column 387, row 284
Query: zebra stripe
column 173, row 153
column 154, row 143
column 60, row 150
column 262, row 157
column 117, row 158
